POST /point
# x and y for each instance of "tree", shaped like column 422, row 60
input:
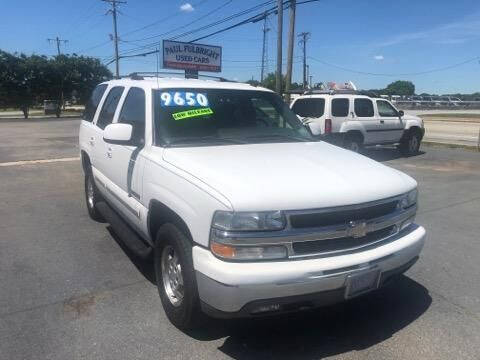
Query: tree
column 400, row 87
column 28, row 80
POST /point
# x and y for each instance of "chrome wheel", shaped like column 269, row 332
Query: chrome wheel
column 172, row 276
column 90, row 193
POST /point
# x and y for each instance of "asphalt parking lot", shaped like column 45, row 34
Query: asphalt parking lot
column 70, row 290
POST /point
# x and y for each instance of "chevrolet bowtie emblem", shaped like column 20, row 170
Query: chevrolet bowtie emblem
column 357, row 229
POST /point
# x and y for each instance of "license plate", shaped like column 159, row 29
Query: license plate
column 361, row 283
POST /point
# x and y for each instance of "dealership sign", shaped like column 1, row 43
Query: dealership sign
column 190, row 56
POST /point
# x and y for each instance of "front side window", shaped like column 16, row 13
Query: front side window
column 340, row 107
column 385, row 109
column 309, row 107
column 193, row 117
column 363, row 107
column 92, row 103
column 109, row 107
column 133, row 113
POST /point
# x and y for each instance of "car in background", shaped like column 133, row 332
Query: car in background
column 354, row 121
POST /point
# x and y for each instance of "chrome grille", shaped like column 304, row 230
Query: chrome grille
column 341, row 215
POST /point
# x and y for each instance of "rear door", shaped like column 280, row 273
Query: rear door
column 391, row 126
column 88, row 133
column 312, row 108
column 340, row 110
column 105, row 117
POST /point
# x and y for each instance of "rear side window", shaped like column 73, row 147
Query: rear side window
column 109, row 107
column 340, row 107
column 133, row 113
column 309, row 107
column 363, row 107
column 92, row 103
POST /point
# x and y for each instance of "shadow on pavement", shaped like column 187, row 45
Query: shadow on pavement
column 354, row 325
column 385, row 154
column 145, row 266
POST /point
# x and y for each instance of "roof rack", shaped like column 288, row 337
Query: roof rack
column 331, row 92
column 143, row 74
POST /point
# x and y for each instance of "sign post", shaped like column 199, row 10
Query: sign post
column 191, row 57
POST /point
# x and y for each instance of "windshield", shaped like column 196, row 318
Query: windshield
column 193, row 117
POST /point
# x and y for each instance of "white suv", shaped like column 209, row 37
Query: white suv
column 211, row 177
column 355, row 121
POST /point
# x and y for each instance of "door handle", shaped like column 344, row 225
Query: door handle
column 109, row 152
column 92, row 141
column 382, row 121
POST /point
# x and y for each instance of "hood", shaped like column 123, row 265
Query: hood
column 288, row 176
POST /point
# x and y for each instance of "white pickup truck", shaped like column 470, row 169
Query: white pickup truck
column 354, row 121
column 246, row 213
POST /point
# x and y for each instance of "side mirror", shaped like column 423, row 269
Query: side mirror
column 400, row 113
column 118, row 134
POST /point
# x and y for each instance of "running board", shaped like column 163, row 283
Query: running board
column 128, row 236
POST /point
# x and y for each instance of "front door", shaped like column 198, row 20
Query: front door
column 390, row 122
column 126, row 164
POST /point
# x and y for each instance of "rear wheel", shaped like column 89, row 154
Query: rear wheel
column 410, row 144
column 353, row 142
column 175, row 277
column 92, row 197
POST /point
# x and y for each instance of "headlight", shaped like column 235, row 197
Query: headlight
column 249, row 221
column 409, row 199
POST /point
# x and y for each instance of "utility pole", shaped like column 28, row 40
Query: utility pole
column 58, row 41
column 278, row 82
column 264, row 49
column 291, row 36
column 114, row 4
column 304, row 36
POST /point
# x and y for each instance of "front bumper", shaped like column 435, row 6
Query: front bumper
column 228, row 289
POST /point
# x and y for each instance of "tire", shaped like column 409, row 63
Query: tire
column 410, row 144
column 92, row 197
column 353, row 143
column 175, row 276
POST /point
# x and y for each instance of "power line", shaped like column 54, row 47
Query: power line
column 161, row 20
column 252, row 19
column 231, row 17
column 183, row 26
column 397, row 74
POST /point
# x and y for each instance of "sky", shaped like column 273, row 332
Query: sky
column 433, row 43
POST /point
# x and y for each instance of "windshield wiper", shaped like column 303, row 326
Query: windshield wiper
column 279, row 136
column 202, row 140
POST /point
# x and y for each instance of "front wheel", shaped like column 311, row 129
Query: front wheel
column 410, row 145
column 175, row 277
column 92, row 197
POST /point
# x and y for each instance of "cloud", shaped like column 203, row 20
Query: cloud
column 458, row 32
column 187, row 7
column 378, row 57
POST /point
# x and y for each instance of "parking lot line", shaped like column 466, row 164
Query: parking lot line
column 42, row 161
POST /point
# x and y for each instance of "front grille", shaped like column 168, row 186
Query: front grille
column 341, row 244
column 312, row 220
